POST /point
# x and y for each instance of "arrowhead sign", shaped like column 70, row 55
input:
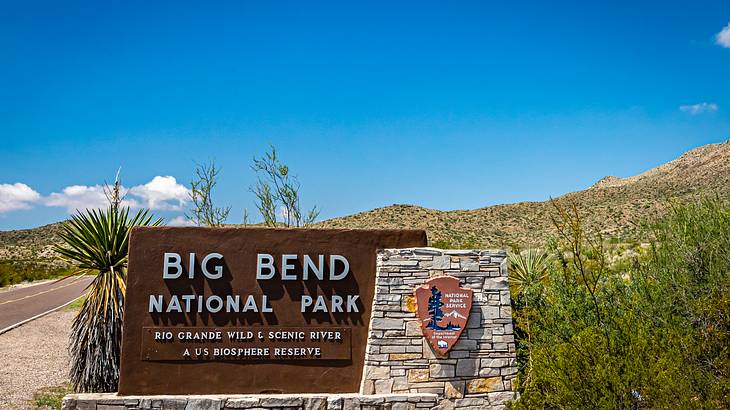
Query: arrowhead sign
column 443, row 309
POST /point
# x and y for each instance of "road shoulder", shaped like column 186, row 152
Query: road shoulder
column 34, row 356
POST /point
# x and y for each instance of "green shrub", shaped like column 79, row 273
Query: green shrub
column 12, row 272
column 651, row 334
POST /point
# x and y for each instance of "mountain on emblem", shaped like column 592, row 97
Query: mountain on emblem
column 443, row 309
column 455, row 313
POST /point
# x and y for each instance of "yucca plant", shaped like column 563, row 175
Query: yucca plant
column 96, row 241
column 527, row 268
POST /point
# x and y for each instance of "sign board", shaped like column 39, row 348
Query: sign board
column 230, row 310
column 443, row 309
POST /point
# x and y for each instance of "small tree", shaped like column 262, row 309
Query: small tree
column 277, row 190
column 246, row 217
column 203, row 212
column 434, row 308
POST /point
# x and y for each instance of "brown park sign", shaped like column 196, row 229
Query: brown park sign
column 228, row 310
column 443, row 309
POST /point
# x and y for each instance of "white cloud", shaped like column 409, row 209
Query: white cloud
column 163, row 193
column 699, row 108
column 16, row 196
column 81, row 197
column 723, row 37
column 181, row 221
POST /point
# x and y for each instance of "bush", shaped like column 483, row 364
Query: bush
column 650, row 334
column 12, row 272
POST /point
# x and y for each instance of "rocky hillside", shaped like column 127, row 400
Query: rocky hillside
column 614, row 206
column 31, row 246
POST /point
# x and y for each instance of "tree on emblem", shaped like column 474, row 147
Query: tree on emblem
column 434, row 309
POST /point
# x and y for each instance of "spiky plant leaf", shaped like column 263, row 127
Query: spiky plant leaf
column 526, row 269
column 96, row 241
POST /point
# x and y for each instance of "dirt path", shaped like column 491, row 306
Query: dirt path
column 32, row 357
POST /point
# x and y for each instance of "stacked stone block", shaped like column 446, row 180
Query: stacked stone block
column 110, row 401
column 479, row 370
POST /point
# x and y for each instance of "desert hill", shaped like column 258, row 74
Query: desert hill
column 614, row 206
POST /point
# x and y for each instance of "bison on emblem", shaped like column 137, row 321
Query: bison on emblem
column 443, row 309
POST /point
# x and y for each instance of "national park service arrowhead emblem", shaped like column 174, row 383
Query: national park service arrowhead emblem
column 443, row 309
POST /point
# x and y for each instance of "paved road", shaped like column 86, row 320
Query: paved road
column 21, row 304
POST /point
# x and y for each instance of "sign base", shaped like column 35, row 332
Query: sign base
column 112, row 401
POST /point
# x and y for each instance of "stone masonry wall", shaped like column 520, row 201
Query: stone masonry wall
column 111, row 401
column 478, row 371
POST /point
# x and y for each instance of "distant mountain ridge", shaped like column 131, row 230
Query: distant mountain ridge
column 614, row 206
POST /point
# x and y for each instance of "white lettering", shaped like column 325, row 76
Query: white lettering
column 351, row 306
column 174, row 305
column 286, row 267
column 265, row 308
column 306, row 302
column 250, row 305
column 261, row 265
column 233, row 303
column 171, row 260
column 156, row 303
column 317, row 269
column 187, row 299
column 333, row 274
column 218, row 301
column 191, row 266
column 218, row 268
column 319, row 306
column 336, row 303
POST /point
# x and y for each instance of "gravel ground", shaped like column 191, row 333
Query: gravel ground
column 32, row 357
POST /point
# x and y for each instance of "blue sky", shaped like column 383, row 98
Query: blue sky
column 447, row 106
